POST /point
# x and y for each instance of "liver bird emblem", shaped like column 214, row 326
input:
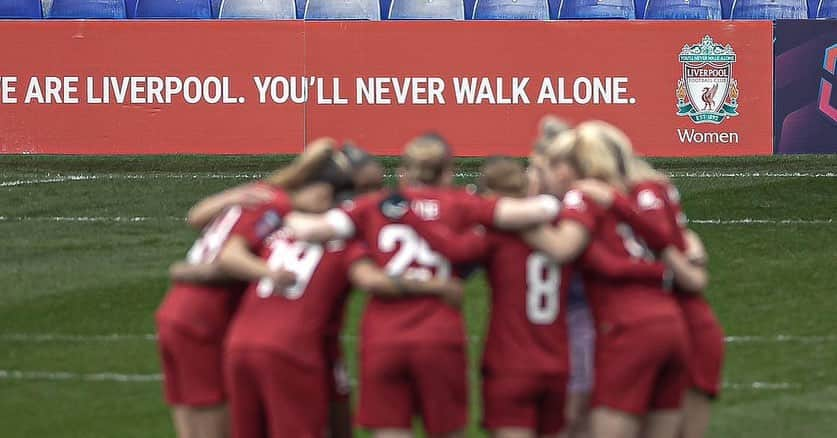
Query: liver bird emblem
column 708, row 97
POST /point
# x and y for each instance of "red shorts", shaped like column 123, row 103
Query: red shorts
column 533, row 402
column 398, row 383
column 642, row 367
column 706, row 358
column 271, row 395
column 192, row 368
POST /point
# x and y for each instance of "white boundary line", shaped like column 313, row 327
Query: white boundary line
column 88, row 377
column 120, row 337
column 145, row 378
column 126, row 219
column 60, row 178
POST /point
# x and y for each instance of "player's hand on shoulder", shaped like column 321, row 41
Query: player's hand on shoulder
column 600, row 192
column 250, row 195
column 282, row 280
column 394, row 206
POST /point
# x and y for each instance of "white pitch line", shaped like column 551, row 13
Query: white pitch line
column 145, row 378
column 126, row 219
column 781, row 338
column 677, row 174
column 89, row 219
column 48, row 180
column 751, row 221
column 54, row 337
column 88, row 377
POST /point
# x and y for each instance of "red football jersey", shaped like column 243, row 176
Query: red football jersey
column 528, row 329
column 298, row 320
column 696, row 309
column 615, row 302
column 202, row 310
column 401, row 251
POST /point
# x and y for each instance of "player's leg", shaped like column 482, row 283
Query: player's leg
column 509, row 405
column 340, row 413
column 246, row 409
column 582, row 335
column 193, row 383
column 697, row 410
column 666, row 416
column 706, row 356
column 385, row 406
column 628, row 362
column 611, row 423
column 440, row 376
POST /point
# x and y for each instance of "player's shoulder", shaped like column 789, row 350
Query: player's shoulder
column 576, row 200
column 365, row 201
column 650, row 194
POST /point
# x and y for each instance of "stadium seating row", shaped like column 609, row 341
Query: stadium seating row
column 421, row 9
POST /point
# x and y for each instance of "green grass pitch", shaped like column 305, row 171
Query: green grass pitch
column 86, row 242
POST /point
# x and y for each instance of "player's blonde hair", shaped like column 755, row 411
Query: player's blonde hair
column 295, row 174
column 599, row 150
column 505, row 176
column 426, row 158
column 641, row 170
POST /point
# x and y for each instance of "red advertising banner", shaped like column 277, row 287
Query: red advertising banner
column 677, row 88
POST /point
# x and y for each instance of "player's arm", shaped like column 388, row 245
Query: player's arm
column 521, row 213
column 204, row 211
column 237, row 261
column 687, row 276
column 202, row 273
column 333, row 225
column 650, row 223
column 610, row 266
column 562, row 243
column 366, row 275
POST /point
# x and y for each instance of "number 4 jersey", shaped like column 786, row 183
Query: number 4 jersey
column 401, row 251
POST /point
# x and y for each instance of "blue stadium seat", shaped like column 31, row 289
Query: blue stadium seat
column 427, row 10
column 511, row 10
column 596, row 9
column 197, row 9
column 769, row 9
column 342, row 10
column 20, row 9
column 215, row 7
column 827, row 9
column 726, row 9
column 258, row 9
column 469, row 9
column 683, row 10
column 130, row 8
column 385, row 5
column 105, row 9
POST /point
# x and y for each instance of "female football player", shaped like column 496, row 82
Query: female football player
column 637, row 383
column 193, row 318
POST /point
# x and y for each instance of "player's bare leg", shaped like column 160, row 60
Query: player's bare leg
column 180, row 418
column 697, row 409
column 577, row 415
column 608, row 423
column 513, row 432
column 209, row 422
column 392, row 433
column 340, row 420
column 662, row 424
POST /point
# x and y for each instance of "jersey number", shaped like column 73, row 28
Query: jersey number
column 412, row 251
column 212, row 241
column 301, row 258
column 543, row 280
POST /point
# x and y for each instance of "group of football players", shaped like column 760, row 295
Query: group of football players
column 598, row 327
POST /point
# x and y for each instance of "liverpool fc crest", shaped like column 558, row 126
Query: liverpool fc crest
column 707, row 92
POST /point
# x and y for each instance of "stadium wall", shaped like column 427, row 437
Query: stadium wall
column 225, row 87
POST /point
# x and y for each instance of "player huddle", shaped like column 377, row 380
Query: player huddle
column 597, row 329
